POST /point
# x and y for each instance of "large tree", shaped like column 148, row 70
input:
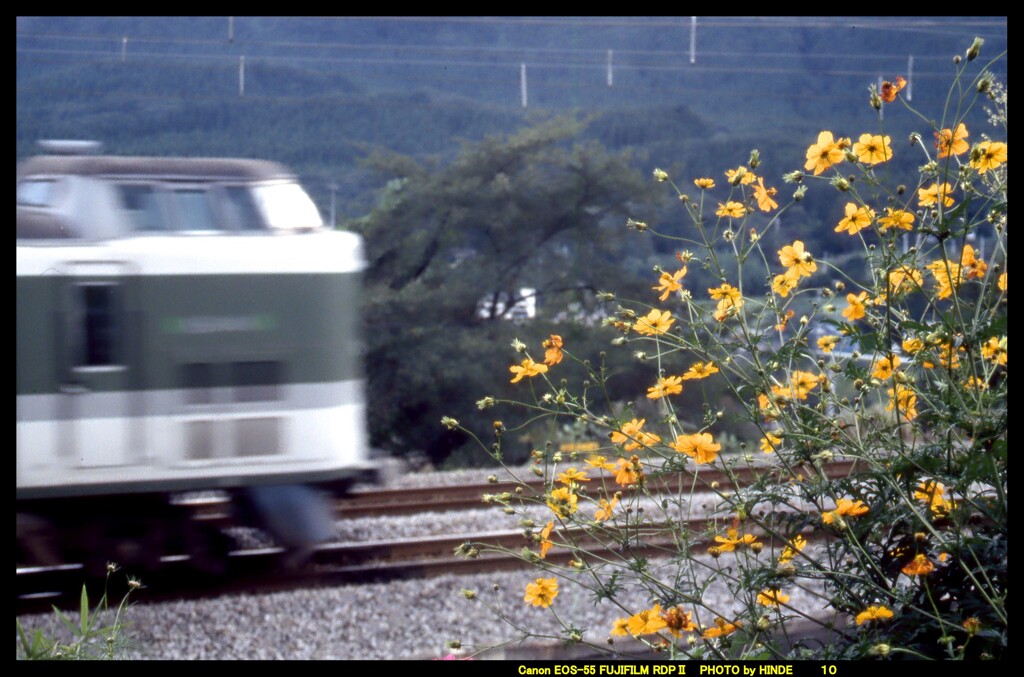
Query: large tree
column 533, row 219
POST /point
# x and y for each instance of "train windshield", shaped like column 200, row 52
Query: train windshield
column 286, row 206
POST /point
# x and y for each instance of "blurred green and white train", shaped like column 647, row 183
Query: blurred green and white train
column 183, row 325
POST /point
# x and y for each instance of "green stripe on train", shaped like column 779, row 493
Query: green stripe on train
column 160, row 332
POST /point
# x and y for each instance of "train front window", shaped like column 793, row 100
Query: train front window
column 240, row 209
column 286, row 206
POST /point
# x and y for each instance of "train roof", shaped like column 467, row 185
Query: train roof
column 165, row 168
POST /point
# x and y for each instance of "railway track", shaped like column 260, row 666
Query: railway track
column 382, row 502
column 268, row 569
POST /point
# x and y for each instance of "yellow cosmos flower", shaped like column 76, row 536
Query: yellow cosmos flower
column 795, row 258
column 952, row 142
column 632, row 437
column 904, row 280
column 678, row 621
column 972, row 625
column 906, row 399
column 668, row 385
column 972, row 265
column 701, row 447
column 527, row 368
column 571, row 475
column 873, row 613
column 721, row 629
column 656, row 322
column 988, row 155
column 700, row 370
column 628, row 471
column 562, row 502
column 605, row 509
column 646, row 622
column 545, row 543
column 803, row 383
column 934, row 193
column 949, row 355
column 1001, row 283
column 885, row 367
column 733, row 540
column 553, row 352
column 975, row 384
column 994, row 350
column 601, row 463
column 669, row 282
column 785, row 283
column 740, row 176
column 891, row 89
column 764, row 196
column 912, row 345
column 844, row 508
column 704, row 183
column 948, row 277
column 828, row 343
column 934, row 495
column 772, row 597
column 795, row 545
column 896, row 218
column 732, row 210
column 620, row 628
column 823, row 154
column 770, row 443
column 726, row 292
column 855, row 310
column 919, row 566
column 872, row 149
column 856, row 219
column 541, row 592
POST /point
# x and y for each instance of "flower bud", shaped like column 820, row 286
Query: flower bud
column 879, row 650
column 660, row 175
column 756, row 547
column 799, row 193
column 468, row 594
column 755, row 159
column 972, row 51
column 841, row 184
column 449, row 422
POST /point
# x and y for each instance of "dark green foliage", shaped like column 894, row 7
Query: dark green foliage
column 449, row 242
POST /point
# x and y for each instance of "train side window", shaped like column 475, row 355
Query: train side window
column 142, row 204
column 197, row 379
column 194, row 209
column 99, row 326
column 257, row 381
column 36, row 192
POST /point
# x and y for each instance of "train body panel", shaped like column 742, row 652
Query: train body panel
column 182, row 324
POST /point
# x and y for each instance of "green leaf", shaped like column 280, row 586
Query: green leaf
column 84, row 610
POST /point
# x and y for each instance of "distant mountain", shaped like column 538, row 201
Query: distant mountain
column 317, row 92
